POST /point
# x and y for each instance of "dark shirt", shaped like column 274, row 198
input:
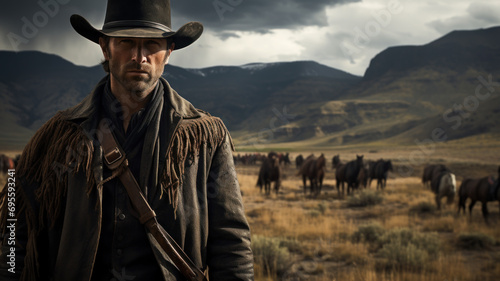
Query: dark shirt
column 124, row 251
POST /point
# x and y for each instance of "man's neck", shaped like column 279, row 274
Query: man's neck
column 131, row 102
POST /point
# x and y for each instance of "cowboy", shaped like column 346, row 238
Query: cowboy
column 77, row 216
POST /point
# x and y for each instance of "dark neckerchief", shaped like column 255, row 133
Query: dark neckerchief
column 141, row 139
column 139, row 121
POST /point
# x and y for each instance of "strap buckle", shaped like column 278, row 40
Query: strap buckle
column 113, row 156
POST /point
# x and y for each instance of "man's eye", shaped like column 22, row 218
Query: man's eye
column 153, row 42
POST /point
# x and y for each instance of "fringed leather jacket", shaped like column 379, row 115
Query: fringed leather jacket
column 58, row 197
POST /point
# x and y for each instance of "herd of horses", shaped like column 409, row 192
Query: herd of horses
column 359, row 173
column 442, row 182
column 353, row 174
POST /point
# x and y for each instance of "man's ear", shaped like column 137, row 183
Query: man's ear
column 104, row 47
column 169, row 52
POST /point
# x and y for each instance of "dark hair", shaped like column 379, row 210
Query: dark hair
column 105, row 63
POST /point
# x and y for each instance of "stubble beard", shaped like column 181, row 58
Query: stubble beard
column 138, row 85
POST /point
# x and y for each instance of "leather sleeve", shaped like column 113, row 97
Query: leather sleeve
column 229, row 253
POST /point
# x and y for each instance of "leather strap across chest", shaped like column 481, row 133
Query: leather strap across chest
column 115, row 160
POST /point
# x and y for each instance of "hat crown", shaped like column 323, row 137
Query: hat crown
column 156, row 11
column 139, row 19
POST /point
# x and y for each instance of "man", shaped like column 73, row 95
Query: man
column 75, row 219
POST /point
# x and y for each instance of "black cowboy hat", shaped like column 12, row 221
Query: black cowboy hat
column 140, row 19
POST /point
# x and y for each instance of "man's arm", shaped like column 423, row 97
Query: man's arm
column 229, row 254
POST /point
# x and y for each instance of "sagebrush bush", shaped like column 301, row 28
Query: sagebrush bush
column 293, row 246
column 475, row 241
column 397, row 256
column 365, row 198
column 368, row 233
column 270, row 255
column 406, row 249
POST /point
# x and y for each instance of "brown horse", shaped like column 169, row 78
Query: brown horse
column 313, row 169
column 269, row 172
column 363, row 177
column 339, row 173
column 484, row 190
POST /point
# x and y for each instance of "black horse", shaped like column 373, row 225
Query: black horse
column 284, row 159
column 430, row 171
column 379, row 170
column 269, row 172
column 299, row 160
column 352, row 169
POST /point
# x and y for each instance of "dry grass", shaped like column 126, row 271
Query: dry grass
column 317, row 232
column 322, row 230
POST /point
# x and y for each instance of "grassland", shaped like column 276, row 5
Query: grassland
column 401, row 236
column 404, row 237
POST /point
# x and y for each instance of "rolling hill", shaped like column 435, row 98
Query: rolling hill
column 406, row 93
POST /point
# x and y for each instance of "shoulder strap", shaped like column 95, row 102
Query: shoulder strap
column 115, row 160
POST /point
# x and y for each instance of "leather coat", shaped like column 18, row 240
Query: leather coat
column 209, row 221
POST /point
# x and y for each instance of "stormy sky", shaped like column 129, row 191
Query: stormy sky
column 344, row 34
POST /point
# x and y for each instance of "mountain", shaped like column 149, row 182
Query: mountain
column 33, row 86
column 450, row 85
column 407, row 91
column 240, row 94
column 36, row 85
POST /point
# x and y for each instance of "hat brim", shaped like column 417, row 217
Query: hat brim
column 183, row 37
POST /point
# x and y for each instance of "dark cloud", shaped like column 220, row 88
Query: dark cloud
column 26, row 23
column 483, row 12
column 227, row 35
column 255, row 15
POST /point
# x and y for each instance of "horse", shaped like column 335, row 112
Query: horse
column 484, row 189
column 285, row 159
column 430, row 171
column 335, row 161
column 339, row 173
column 446, row 185
column 340, row 177
column 351, row 173
column 299, row 160
column 379, row 170
column 313, row 169
column 269, row 172
column 363, row 177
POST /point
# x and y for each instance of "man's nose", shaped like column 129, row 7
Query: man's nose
column 139, row 54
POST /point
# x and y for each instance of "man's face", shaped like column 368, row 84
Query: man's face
column 136, row 64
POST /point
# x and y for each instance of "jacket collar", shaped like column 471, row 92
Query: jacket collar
column 88, row 107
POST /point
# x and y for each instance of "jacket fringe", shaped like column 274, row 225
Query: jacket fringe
column 190, row 136
column 59, row 147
